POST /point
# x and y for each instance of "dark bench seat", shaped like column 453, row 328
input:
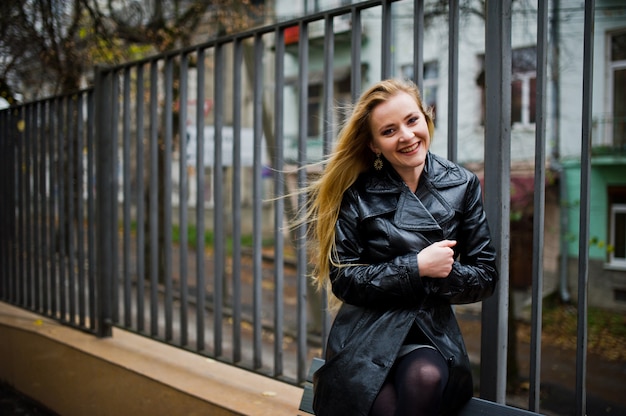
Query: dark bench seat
column 475, row 407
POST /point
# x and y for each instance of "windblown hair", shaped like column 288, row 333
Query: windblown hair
column 351, row 156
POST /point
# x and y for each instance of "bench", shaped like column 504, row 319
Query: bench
column 475, row 407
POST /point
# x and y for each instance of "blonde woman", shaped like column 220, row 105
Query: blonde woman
column 400, row 235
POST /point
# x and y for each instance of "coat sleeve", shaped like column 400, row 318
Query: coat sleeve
column 474, row 274
column 395, row 282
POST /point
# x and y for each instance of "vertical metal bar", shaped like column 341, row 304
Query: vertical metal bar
column 453, row 79
column 4, row 207
column 257, row 203
column 52, row 200
column 7, row 207
column 115, row 122
column 27, row 167
column 36, row 260
column 4, row 141
column 19, row 184
column 62, row 229
column 585, row 192
column 11, row 202
column 200, row 278
column 301, row 254
column 33, row 258
column 91, row 207
column 279, row 203
column 71, row 219
column 36, row 212
column 236, row 264
column 13, row 198
column 355, row 54
column 154, row 200
column 497, row 195
column 23, row 160
column 327, row 104
column 8, row 158
column 167, row 197
column 140, row 196
column 386, row 42
column 16, row 216
column 33, row 251
column 126, row 111
column 329, row 134
column 19, row 224
column 418, row 43
column 45, row 220
column 539, row 207
column 80, row 228
column 218, row 198
column 104, row 178
column 19, row 139
column 182, row 192
column 17, row 200
column 8, row 161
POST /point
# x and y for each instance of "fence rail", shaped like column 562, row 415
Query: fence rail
column 106, row 219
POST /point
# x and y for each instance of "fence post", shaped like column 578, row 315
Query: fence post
column 105, row 202
column 493, row 363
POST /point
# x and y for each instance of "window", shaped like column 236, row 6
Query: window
column 314, row 111
column 617, row 255
column 617, row 226
column 430, row 85
column 523, row 85
column 341, row 91
column 617, row 80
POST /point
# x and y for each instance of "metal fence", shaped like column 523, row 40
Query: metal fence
column 116, row 212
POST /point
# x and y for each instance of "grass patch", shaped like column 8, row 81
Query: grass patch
column 209, row 239
column 606, row 329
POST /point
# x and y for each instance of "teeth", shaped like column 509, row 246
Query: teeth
column 410, row 149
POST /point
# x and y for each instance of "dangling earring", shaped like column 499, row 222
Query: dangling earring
column 378, row 162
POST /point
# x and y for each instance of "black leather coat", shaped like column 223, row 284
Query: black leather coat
column 381, row 227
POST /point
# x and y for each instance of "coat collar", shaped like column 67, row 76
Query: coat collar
column 438, row 172
column 422, row 211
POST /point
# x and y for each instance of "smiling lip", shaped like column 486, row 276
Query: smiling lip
column 411, row 148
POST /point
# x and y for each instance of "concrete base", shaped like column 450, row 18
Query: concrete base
column 74, row 373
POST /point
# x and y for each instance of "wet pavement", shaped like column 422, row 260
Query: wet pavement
column 605, row 381
column 14, row 403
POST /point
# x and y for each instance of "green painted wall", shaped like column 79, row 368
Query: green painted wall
column 605, row 171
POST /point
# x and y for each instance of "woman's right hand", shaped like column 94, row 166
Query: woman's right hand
column 436, row 260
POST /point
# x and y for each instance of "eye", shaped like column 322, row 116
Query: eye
column 387, row 132
column 411, row 121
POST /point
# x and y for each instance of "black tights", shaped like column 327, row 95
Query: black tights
column 414, row 385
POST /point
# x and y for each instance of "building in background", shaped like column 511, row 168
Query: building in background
column 607, row 277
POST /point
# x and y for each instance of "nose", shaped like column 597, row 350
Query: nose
column 405, row 132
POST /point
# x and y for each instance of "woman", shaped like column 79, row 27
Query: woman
column 401, row 235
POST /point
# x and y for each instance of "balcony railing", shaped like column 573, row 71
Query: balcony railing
column 609, row 135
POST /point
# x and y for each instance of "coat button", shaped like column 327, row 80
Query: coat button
column 450, row 361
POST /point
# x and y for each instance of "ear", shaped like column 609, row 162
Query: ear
column 373, row 148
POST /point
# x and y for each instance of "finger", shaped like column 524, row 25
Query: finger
column 447, row 243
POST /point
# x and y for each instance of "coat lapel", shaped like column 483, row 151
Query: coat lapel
column 410, row 210
column 411, row 214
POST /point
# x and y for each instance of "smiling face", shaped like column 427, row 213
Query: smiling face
column 400, row 133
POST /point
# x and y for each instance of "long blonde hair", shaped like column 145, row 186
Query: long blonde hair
column 350, row 157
